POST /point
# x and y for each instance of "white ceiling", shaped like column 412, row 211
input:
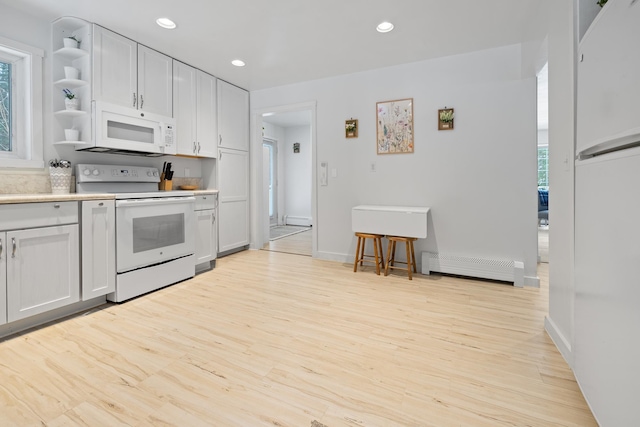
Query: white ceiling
column 287, row 41
column 289, row 119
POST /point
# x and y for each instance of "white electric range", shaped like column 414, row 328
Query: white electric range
column 155, row 230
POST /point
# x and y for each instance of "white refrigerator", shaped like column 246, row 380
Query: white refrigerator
column 606, row 347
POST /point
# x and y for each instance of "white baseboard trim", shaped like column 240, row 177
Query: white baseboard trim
column 333, row 256
column 559, row 340
column 533, row 281
column 297, row 220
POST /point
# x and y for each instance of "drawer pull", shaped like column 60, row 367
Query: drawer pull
column 13, row 241
column 57, row 206
column 101, row 204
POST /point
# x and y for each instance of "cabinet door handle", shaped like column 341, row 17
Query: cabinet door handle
column 198, row 148
column 0, row 248
column 141, row 101
column 194, row 148
column 219, row 155
column 220, row 138
column 135, row 99
column 213, row 219
column 13, row 242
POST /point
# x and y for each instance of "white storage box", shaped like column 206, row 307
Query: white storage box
column 402, row 221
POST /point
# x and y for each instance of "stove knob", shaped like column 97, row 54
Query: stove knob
column 155, row 173
column 96, row 172
column 149, row 173
column 86, row 172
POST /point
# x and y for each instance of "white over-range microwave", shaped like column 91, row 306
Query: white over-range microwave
column 122, row 130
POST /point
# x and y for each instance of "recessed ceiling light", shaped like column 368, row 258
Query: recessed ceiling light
column 238, row 62
column 166, row 23
column 384, row 27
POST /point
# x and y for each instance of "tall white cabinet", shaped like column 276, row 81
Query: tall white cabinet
column 233, row 167
column 131, row 75
column 195, row 111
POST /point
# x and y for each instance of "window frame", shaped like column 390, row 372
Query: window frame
column 27, row 105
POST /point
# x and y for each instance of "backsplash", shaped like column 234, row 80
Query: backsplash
column 34, row 183
column 16, row 183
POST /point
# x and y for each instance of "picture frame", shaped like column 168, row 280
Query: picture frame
column 445, row 118
column 351, row 128
column 394, row 123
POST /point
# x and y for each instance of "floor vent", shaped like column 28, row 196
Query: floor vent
column 495, row 269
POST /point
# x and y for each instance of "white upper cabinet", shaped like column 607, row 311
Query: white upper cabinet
column 115, row 68
column 207, row 116
column 155, row 82
column 131, row 75
column 184, row 107
column 194, row 100
column 233, row 117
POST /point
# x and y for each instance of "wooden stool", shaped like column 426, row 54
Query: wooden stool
column 391, row 254
column 377, row 251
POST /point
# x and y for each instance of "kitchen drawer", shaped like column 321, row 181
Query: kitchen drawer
column 31, row 215
column 206, row 201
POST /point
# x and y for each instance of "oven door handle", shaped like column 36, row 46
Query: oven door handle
column 154, row 202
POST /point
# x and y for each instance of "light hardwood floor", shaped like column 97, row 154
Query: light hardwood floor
column 268, row 338
column 298, row 244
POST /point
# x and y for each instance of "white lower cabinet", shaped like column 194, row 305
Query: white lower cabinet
column 3, row 278
column 42, row 270
column 206, row 226
column 98, row 220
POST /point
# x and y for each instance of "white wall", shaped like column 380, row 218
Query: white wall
column 297, row 172
column 587, row 12
column 480, row 179
column 24, row 28
column 562, row 39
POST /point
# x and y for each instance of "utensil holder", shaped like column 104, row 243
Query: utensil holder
column 165, row 185
column 60, row 180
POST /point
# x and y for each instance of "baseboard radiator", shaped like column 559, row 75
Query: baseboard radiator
column 494, row 269
column 297, row 220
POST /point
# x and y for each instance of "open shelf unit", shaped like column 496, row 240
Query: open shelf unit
column 79, row 58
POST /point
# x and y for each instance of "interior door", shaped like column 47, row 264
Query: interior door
column 272, row 163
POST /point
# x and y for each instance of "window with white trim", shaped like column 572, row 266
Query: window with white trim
column 20, row 105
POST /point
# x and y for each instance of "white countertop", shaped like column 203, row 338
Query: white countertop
column 48, row 197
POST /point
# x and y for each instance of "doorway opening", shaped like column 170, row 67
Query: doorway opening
column 543, row 164
column 288, row 181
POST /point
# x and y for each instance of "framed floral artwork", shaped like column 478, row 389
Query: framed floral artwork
column 445, row 119
column 394, row 126
column 351, row 128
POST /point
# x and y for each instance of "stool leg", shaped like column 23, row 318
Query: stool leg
column 413, row 256
column 379, row 239
column 393, row 254
column 375, row 255
column 386, row 267
column 407, row 248
column 355, row 262
column 364, row 243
